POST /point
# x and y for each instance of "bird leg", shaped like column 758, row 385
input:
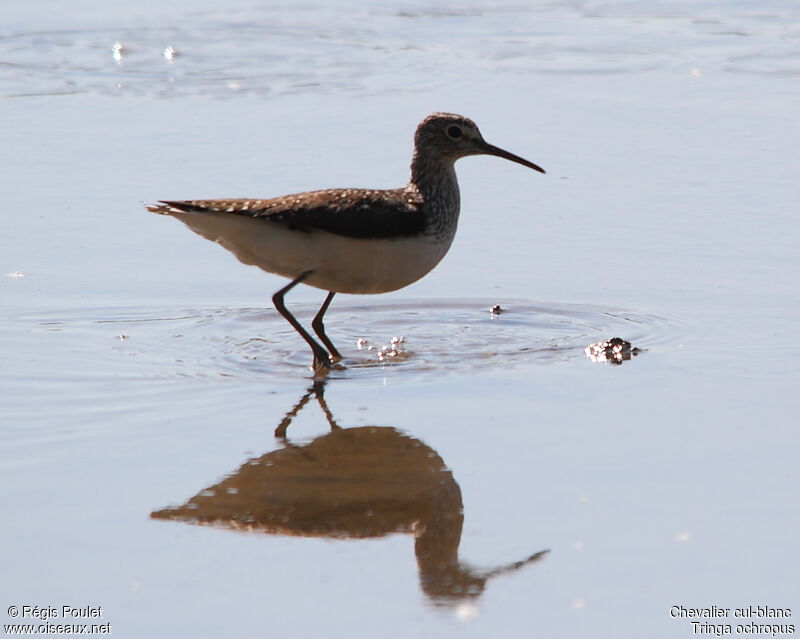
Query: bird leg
column 317, row 390
column 280, row 431
column 319, row 328
column 321, row 359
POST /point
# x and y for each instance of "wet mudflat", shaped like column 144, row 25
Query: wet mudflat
column 166, row 453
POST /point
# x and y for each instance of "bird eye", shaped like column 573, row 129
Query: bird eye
column 454, row 132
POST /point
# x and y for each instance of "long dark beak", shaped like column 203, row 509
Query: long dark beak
column 490, row 149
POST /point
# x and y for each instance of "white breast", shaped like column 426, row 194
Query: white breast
column 341, row 264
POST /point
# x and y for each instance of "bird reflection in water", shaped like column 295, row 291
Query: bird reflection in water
column 351, row 483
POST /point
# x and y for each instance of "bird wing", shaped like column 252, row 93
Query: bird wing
column 358, row 213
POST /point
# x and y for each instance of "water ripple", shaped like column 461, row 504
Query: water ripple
column 406, row 339
column 280, row 50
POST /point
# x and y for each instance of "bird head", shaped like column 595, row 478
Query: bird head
column 449, row 136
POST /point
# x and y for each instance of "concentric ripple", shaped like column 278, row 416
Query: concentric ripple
column 408, row 338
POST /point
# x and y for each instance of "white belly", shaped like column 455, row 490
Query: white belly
column 341, row 264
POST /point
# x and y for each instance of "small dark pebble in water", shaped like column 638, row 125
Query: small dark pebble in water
column 614, row 351
column 497, row 309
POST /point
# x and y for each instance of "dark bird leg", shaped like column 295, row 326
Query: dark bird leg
column 319, row 328
column 321, row 359
column 317, row 390
column 280, row 431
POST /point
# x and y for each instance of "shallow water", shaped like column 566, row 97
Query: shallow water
column 257, row 345
column 145, row 372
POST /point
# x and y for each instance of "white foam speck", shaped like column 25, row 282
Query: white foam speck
column 466, row 612
column 117, row 51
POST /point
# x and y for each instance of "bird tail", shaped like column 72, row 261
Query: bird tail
column 164, row 207
column 160, row 208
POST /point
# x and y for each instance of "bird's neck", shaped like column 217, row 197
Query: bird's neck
column 435, row 180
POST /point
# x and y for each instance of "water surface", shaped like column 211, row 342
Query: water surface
column 144, row 371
